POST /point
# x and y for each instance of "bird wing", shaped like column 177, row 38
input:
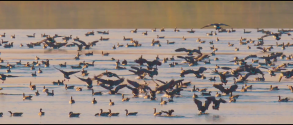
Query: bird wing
column 246, row 76
column 201, row 69
column 211, row 98
column 49, row 44
column 259, row 48
column 82, row 42
column 94, row 42
column 72, row 72
column 160, row 81
column 77, row 44
column 99, row 76
column 135, row 84
column 207, row 104
column 181, row 49
column 106, row 87
column 281, row 76
column 198, row 103
column 103, row 81
column 11, row 76
column 60, row 70
column 233, row 88
column 85, row 80
column 117, row 82
column 197, row 51
column 220, row 87
column 129, row 87
column 222, row 24
column 266, row 35
column 136, row 68
column 119, row 87
column 42, row 41
column 114, row 74
column 226, row 68
column 207, row 26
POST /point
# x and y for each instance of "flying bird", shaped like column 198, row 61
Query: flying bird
column 67, row 74
column 216, row 25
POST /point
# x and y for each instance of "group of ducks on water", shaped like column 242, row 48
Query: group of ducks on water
column 170, row 88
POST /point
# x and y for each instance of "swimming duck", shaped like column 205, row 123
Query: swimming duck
column 68, row 87
column 94, row 101
column 111, row 103
column 217, row 39
column 40, row 71
column 102, row 113
column 230, row 45
column 71, row 114
column 105, row 54
column 34, row 74
column 26, row 97
column 45, row 90
column 183, row 38
column 145, row 33
column 201, row 90
column 15, row 113
column 78, row 89
column 130, row 113
column 170, row 42
column 133, row 31
column 33, row 87
column 37, row 93
column 124, row 62
column 163, row 102
column 274, row 88
column 191, row 31
column 112, row 114
column 246, row 31
column 33, row 67
column 96, row 93
column 157, row 113
column 160, row 37
column 124, row 99
column 71, row 101
column 50, row 94
column 213, row 79
column 30, row 36
column 210, row 34
column 283, row 100
column 41, row 113
column 248, row 47
column 118, row 45
column 248, row 87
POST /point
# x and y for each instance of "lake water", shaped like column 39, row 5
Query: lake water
column 258, row 105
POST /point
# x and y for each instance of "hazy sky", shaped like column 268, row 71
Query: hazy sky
column 140, row 14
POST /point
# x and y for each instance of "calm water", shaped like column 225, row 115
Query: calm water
column 258, row 105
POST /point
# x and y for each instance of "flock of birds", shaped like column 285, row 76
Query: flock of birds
column 149, row 68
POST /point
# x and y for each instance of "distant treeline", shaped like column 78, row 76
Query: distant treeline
column 140, row 14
